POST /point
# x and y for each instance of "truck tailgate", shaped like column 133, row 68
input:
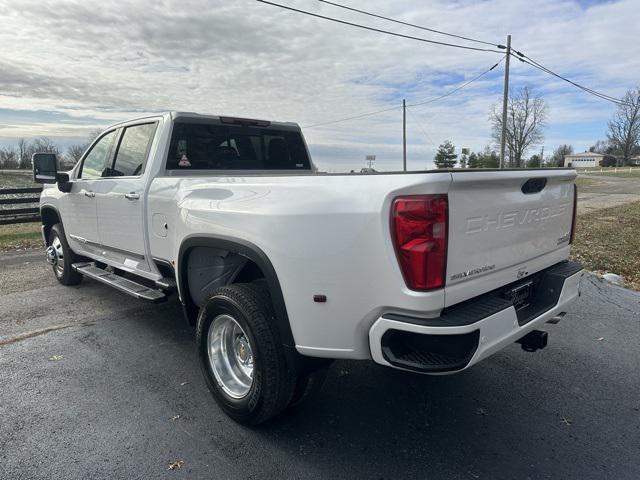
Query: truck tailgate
column 504, row 226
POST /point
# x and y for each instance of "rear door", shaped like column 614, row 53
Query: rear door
column 120, row 200
column 505, row 225
column 79, row 205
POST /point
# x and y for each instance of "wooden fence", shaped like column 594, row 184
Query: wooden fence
column 16, row 196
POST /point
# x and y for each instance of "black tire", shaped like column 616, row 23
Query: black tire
column 273, row 380
column 62, row 266
column 311, row 372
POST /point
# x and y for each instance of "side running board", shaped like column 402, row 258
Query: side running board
column 137, row 290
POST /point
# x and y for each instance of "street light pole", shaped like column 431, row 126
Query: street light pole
column 505, row 101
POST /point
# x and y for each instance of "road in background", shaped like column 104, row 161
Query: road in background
column 116, row 392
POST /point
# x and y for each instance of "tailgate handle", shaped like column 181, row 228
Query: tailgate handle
column 534, row 185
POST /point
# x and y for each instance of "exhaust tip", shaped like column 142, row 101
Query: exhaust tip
column 555, row 320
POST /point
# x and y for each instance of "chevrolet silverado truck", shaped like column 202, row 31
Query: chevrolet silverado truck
column 282, row 269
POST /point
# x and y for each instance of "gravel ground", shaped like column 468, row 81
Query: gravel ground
column 98, row 385
column 606, row 191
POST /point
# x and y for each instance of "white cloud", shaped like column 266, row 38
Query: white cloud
column 100, row 62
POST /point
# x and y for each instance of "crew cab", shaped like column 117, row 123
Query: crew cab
column 281, row 268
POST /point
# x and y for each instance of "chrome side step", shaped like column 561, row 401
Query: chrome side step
column 137, row 290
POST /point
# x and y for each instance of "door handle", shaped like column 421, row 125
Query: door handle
column 132, row 196
column 89, row 194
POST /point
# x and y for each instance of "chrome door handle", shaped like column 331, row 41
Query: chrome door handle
column 89, row 194
column 132, row 196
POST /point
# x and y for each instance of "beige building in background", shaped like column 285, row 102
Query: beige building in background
column 585, row 159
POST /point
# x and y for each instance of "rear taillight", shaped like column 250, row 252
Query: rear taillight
column 575, row 210
column 419, row 227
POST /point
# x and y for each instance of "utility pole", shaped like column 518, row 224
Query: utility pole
column 505, row 101
column 404, row 135
column 541, row 156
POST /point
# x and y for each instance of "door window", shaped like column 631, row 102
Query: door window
column 95, row 162
column 133, row 150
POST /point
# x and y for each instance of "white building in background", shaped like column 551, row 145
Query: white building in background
column 585, row 159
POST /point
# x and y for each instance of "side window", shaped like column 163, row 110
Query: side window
column 96, row 160
column 133, row 150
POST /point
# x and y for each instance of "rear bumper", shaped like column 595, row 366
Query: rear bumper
column 473, row 330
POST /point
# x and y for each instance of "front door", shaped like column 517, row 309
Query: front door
column 120, row 199
column 79, row 206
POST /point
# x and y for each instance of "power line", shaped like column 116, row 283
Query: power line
column 420, row 126
column 581, row 87
column 410, row 24
column 528, row 60
column 387, row 32
column 538, row 65
column 368, row 114
column 457, row 88
column 352, row 118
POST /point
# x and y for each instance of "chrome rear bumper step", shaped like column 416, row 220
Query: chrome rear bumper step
column 137, row 290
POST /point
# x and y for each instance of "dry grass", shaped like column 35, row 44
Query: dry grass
column 584, row 182
column 20, row 236
column 16, row 179
column 609, row 241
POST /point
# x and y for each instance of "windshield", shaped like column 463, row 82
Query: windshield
column 208, row 146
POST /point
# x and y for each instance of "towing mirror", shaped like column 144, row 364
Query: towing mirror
column 45, row 167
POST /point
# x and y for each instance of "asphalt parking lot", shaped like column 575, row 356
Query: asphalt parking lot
column 95, row 384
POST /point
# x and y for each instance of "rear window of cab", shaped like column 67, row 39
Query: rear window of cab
column 211, row 146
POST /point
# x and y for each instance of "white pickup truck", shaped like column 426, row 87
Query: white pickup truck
column 282, row 268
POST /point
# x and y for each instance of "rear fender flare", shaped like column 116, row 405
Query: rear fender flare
column 251, row 252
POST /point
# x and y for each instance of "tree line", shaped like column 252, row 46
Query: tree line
column 527, row 115
column 18, row 156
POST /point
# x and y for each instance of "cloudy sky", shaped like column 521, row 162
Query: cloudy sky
column 68, row 67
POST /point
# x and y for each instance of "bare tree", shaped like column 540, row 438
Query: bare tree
column 602, row 146
column 8, row 158
column 74, row 152
column 624, row 128
column 526, row 117
column 23, row 153
column 26, row 149
column 557, row 159
column 44, row 145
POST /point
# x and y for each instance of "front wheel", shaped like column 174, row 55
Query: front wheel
column 241, row 354
column 61, row 257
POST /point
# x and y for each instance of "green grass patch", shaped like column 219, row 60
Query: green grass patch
column 22, row 235
column 609, row 241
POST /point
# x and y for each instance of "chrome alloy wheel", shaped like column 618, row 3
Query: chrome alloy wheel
column 55, row 256
column 230, row 356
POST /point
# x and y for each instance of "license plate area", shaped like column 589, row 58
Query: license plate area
column 520, row 295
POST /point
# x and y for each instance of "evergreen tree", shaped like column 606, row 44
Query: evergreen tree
column 446, row 155
column 473, row 160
